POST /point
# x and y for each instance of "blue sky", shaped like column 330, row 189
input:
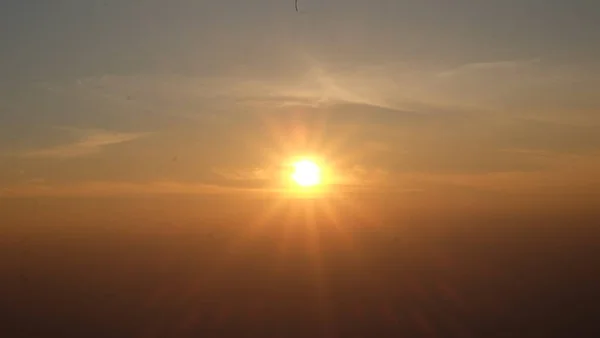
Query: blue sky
column 423, row 91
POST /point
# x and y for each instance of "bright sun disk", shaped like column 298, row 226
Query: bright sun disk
column 306, row 173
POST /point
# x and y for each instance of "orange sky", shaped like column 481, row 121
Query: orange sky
column 184, row 104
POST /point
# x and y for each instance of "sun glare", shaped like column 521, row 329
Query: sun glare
column 306, row 173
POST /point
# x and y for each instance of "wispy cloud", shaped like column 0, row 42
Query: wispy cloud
column 112, row 188
column 566, row 174
column 189, row 95
column 88, row 141
column 482, row 66
column 249, row 174
column 359, row 175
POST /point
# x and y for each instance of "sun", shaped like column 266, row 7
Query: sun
column 306, row 173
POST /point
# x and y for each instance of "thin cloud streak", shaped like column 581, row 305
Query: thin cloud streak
column 495, row 65
column 90, row 141
column 259, row 174
column 109, row 188
column 569, row 174
column 317, row 86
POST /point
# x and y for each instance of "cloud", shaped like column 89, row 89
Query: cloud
column 430, row 136
column 378, row 147
column 88, row 141
column 362, row 176
column 564, row 173
column 252, row 182
column 112, row 188
column 527, row 84
column 347, row 177
column 438, row 141
column 195, row 96
column 487, row 66
column 244, row 174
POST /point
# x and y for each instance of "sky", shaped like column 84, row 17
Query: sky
column 457, row 98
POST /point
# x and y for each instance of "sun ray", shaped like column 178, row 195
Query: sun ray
column 314, row 215
column 316, row 257
column 285, row 245
column 333, row 219
column 254, row 227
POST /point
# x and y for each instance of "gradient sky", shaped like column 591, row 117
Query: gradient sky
column 197, row 96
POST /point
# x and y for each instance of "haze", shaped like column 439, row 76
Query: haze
column 143, row 145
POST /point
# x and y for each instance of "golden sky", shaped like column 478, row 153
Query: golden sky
column 393, row 98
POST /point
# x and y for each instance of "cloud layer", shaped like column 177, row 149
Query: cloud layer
column 388, row 125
